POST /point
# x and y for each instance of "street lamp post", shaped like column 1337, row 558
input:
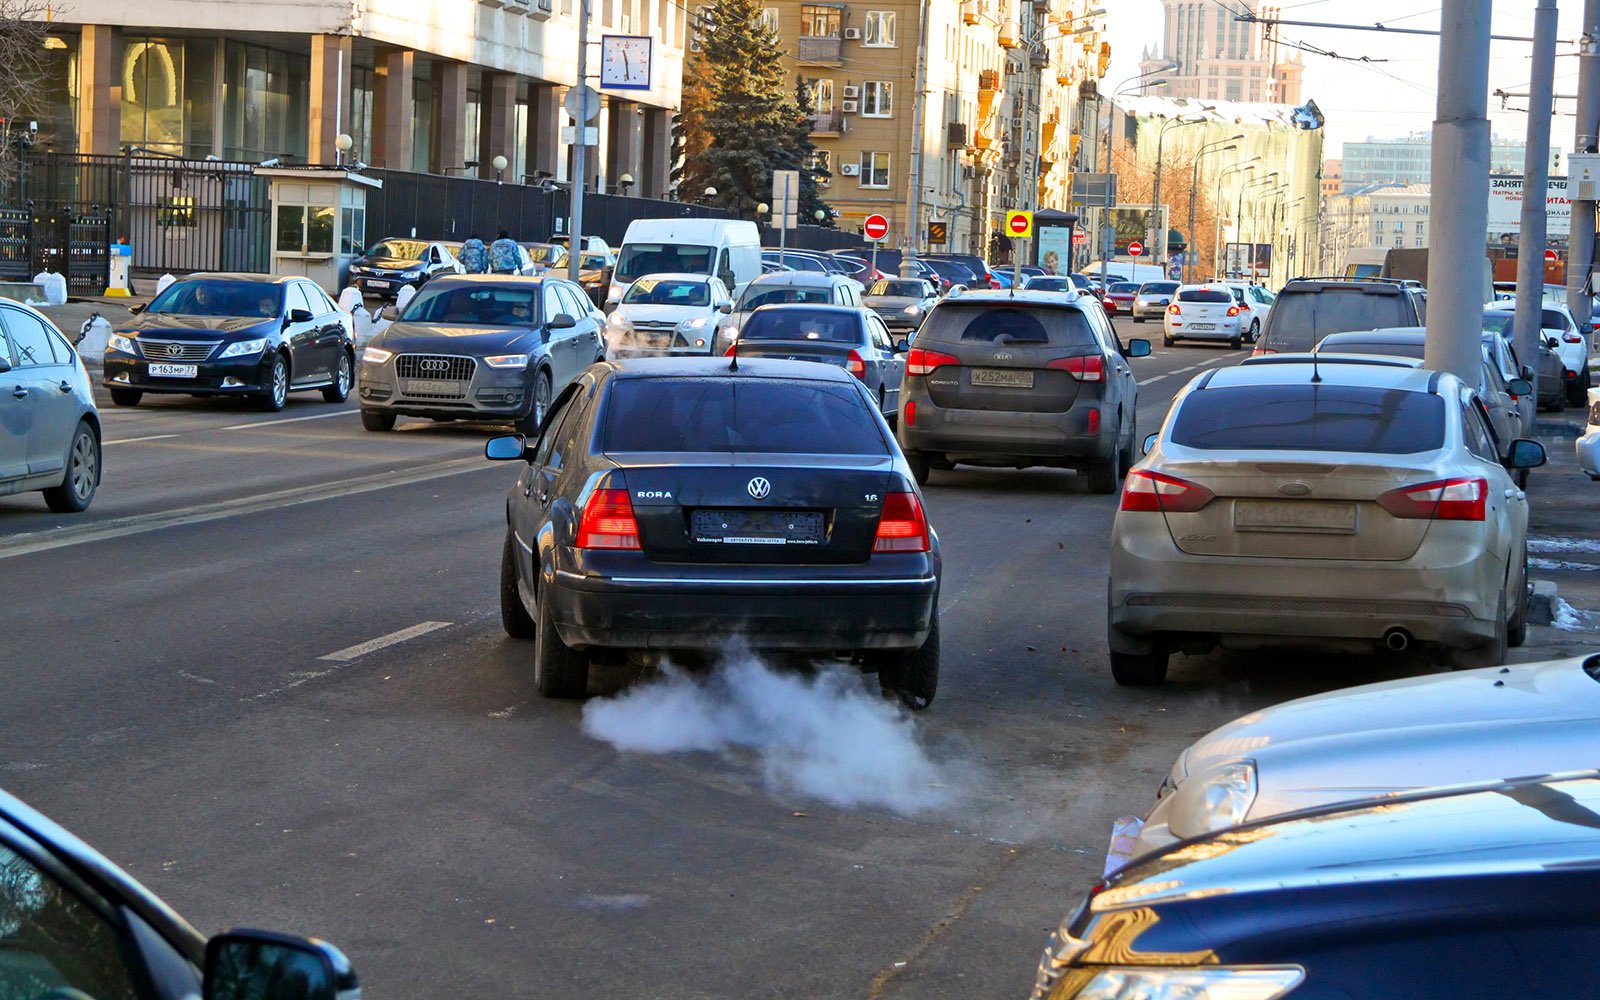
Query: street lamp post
column 1145, row 80
column 1194, row 189
column 1238, row 205
column 1158, row 246
column 1216, row 208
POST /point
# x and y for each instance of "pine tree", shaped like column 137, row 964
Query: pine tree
column 690, row 139
column 749, row 120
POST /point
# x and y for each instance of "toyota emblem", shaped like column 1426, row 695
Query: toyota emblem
column 759, row 488
column 174, row 350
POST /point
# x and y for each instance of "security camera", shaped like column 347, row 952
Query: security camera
column 274, row 161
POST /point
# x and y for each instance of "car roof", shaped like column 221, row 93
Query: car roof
column 490, row 279
column 720, row 367
column 1350, row 370
column 811, row 307
column 1334, row 358
column 1020, row 297
column 1379, row 286
column 676, row 276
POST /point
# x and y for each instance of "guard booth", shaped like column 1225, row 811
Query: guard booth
column 319, row 221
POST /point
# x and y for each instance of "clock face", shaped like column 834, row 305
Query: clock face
column 625, row 62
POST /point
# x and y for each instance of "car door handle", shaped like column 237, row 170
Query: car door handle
column 64, row 385
column 20, row 392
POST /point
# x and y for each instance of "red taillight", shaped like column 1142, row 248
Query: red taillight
column 1460, row 499
column 1572, row 338
column 856, row 365
column 1146, row 490
column 920, row 362
column 1174, row 310
column 901, row 528
column 1094, row 421
column 911, row 412
column 608, row 522
column 1088, row 368
column 1233, row 310
column 731, row 348
column 995, row 282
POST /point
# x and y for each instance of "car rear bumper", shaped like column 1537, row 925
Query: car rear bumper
column 382, row 286
column 1589, row 453
column 1030, row 438
column 230, row 377
column 1150, row 311
column 1225, row 330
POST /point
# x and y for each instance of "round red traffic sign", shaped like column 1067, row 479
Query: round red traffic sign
column 1551, row 255
column 1135, row 248
column 875, row 228
column 1019, row 224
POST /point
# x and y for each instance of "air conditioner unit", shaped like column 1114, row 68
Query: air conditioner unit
column 852, row 34
column 968, row 171
column 541, row 10
column 851, row 93
column 849, row 107
column 850, row 170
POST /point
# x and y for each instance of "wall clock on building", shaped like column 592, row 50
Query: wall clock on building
column 625, row 62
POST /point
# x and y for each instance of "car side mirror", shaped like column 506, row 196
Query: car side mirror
column 1527, row 372
column 1526, row 454
column 561, row 321
column 1150, row 442
column 725, row 308
column 259, row 965
column 1520, row 387
column 506, row 448
column 300, row 316
column 1138, row 347
column 902, row 345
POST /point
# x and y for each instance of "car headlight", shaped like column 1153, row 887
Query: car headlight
column 244, row 348
column 614, row 295
column 415, row 272
column 1220, row 983
column 697, row 323
column 911, row 310
column 506, row 361
column 618, row 321
column 375, row 355
column 1214, row 799
column 117, row 342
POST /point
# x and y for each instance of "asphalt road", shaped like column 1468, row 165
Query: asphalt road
column 266, row 674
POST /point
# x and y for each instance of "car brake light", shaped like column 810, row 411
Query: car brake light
column 1174, row 310
column 1087, row 368
column 921, row 362
column 1572, row 338
column 911, row 412
column 1153, row 491
column 856, row 365
column 901, row 527
column 1233, row 310
column 995, row 283
column 1459, row 499
column 608, row 522
column 1094, row 420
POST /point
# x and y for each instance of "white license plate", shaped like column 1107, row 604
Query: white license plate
column 1202, row 326
column 1012, row 378
column 375, row 283
column 1307, row 516
column 435, row 388
column 175, row 371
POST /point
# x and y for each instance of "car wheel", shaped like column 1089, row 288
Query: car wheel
column 82, row 476
column 1104, row 476
column 1236, row 343
column 372, row 420
column 558, row 671
column 529, row 425
column 1517, row 628
column 513, row 613
column 1492, row 653
column 126, row 397
column 276, row 392
column 1255, row 330
column 911, row 675
column 1576, row 395
column 1138, row 319
column 339, row 391
column 1167, row 340
column 919, row 466
column 1127, row 456
column 1139, row 669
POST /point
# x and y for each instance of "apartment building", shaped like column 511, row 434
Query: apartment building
column 1379, row 215
column 1219, row 57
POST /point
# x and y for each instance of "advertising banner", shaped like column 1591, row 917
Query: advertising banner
column 1055, row 249
column 1505, row 208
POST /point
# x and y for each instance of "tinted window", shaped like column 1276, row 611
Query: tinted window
column 803, row 324
column 989, row 323
column 1498, row 323
column 398, row 249
column 51, row 939
column 1204, row 295
column 30, row 339
column 913, row 289
column 210, row 297
column 640, row 259
column 1047, row 285
column 474, row 305
column 1305, row 317
column 1081, row 281
column 1338, row 345
column 1158, row 288
column 787, row 416
column 668, row 292
column 1311, row 418
column 756, row 296
column 1550, row 319
column 1125, row 288
column 557, row 441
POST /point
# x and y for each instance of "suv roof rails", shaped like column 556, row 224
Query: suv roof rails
column 1399, row 282
column 1314, row 357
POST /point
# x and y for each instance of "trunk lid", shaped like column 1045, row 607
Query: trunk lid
column 824, row 351
column 1004, row 353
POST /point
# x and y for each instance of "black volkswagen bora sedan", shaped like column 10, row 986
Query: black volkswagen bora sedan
column 253, row 335
column 1475, row 891
column 680, row 503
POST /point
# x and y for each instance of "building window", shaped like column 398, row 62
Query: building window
column 1419, row 229
column 769, row 19
column 877, row 99
column 1419, row 241
column 821, row 162
column 1399, row 227
column 880, row 28
column 819, row 22
column 874, row 170
column 821, row 94
column 1234, row 90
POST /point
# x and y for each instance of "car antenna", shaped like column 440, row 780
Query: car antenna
column 1316, row 370
column 733, row 352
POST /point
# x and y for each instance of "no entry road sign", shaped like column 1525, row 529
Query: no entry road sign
column 1019, row 224
column 875, row 228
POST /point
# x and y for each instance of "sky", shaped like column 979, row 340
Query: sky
column 1389, row 98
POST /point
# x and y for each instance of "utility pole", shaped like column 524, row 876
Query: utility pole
column 918, row 126
column 1535, row 181
column 1580, row 256
column 580, row 165
column 1461, row 177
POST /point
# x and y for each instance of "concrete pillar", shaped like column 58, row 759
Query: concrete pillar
column 380, row 111
column 450, row 103
column 100, row 89
column 497, row 124
column 544, row 128
column 621, row 124
column 399, row 82
column 655, row 166
column 330, row 96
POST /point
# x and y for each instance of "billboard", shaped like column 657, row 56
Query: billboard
column 1254, row 259
column 1136, row 224
column 1505, row 207
column 1055, row 248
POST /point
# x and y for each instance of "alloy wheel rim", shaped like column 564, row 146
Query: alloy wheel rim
column 344, row 373
column 541, row 398
column 83, row 466
column 280, row 381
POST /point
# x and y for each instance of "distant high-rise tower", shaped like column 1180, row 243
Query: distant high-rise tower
column 1220, row 57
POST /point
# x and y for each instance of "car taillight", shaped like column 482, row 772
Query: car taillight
column 1460, row 499
column 920, row 362
column 1572, row 338
column 1088, row 368
column 1174, row 310
column 995, row 282
column 902, row 527
column 1153, row 491
column 1233, row 310
column 911, row 412
column 856, row 365
column 608, row 522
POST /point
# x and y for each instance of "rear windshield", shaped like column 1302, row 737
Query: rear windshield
column 1158, row 288
column 802, row 324
column 1082, row 281
column 756, row 296
column 1308, row 417
column 1047, row 285
column 720, row 414
column 988, row 323
column 1204, row 295
column 1124, row 288
column 1388, row 348
column 1301, row 316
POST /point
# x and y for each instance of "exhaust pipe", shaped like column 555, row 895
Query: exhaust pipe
column 1396, row 639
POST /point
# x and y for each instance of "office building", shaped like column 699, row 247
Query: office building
column 1219, row 57
column 1410, row 161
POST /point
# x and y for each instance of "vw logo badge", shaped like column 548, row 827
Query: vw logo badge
column 173, row 350
column 759, row 488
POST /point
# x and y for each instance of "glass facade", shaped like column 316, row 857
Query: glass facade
column 265, row 96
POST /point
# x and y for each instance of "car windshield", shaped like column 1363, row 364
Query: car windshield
column 398, row 249
column 1217, row 295
column 1082, row 281
column 1323, row 311
column 1048, row 284
column 849, row 266
column 1158, row 288
column 784, row 416
column 210, row 297
column 544, row 253
column 640, row 259
column 905, row 289
column 475, row 305
column 797, row 262
column 756, row 296
column 1355, row 345
column 595, row 261
column 1310, row 418
column 830, row 325
column 668, row 292
column 991, row 323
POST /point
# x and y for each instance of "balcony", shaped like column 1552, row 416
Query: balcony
column 971, row 12
column 989, row 79
column 824, row 50
column 827, row 123
column 955, row 135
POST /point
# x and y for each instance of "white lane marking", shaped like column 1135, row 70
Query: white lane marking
column 152, row 437
column 1153, row 378
column 1180, row 371
column 361, row 649
column 289, row 420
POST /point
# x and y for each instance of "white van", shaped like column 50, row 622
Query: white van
column 1126, row 270
column 722, row 248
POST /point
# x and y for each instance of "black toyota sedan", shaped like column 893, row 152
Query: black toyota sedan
column 255, row 335
column 680, row 503
column 1476, row 891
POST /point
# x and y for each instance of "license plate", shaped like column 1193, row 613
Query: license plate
column 175, row 371
column 1011, row 378
column 1202, row 326
column 419, row 386
column 758, row 527
column 1316, row 517
column 374, row 283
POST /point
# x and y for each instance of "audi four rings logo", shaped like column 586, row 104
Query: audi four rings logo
column 173, row 350
column 433, row 365
column 759, row 488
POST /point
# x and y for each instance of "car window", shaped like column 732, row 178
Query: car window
column 781, row 416
column 1388, row 348
column 756, row 296
column 51, row 941
column 549, row 455
column 879, row 334
column 298, row 299
column 574, row 302
column 1101, row 324
column 1216, row 295
column 214, row 297
column 1479, row 439
column 668, row 292
column 1309, row 315
column 1306, row 417
column 63, row 351
column 473, row 305
column 991, row 323
column 831, row 326
column 28, row 336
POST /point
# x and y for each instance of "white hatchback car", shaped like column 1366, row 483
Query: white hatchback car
column 1255, row 303
column 1203, row 312
column 667, row 314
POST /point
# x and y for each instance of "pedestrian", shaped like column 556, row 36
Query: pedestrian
column 503, row 254
column 475, row 256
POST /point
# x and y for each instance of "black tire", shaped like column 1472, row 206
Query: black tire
column 373, row 420
column 1576, row 395
column 910, row 675
column 1138, row 319
column 513, row 613
column 1236, row 343
column 558, row 671
column 276, row 393
column 1491, row 654
column 1167, row 340
column 343, row 378
column 82, row 475
column 528, row 426
column 919, row 466
column 1255, row 331
column 1517, row 627
column 1105, row 476
column 1139, row 669
column 1127, row 456
column 126, row 397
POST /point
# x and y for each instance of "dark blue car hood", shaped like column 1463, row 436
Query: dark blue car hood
column 476, row 341
column 177, row 325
